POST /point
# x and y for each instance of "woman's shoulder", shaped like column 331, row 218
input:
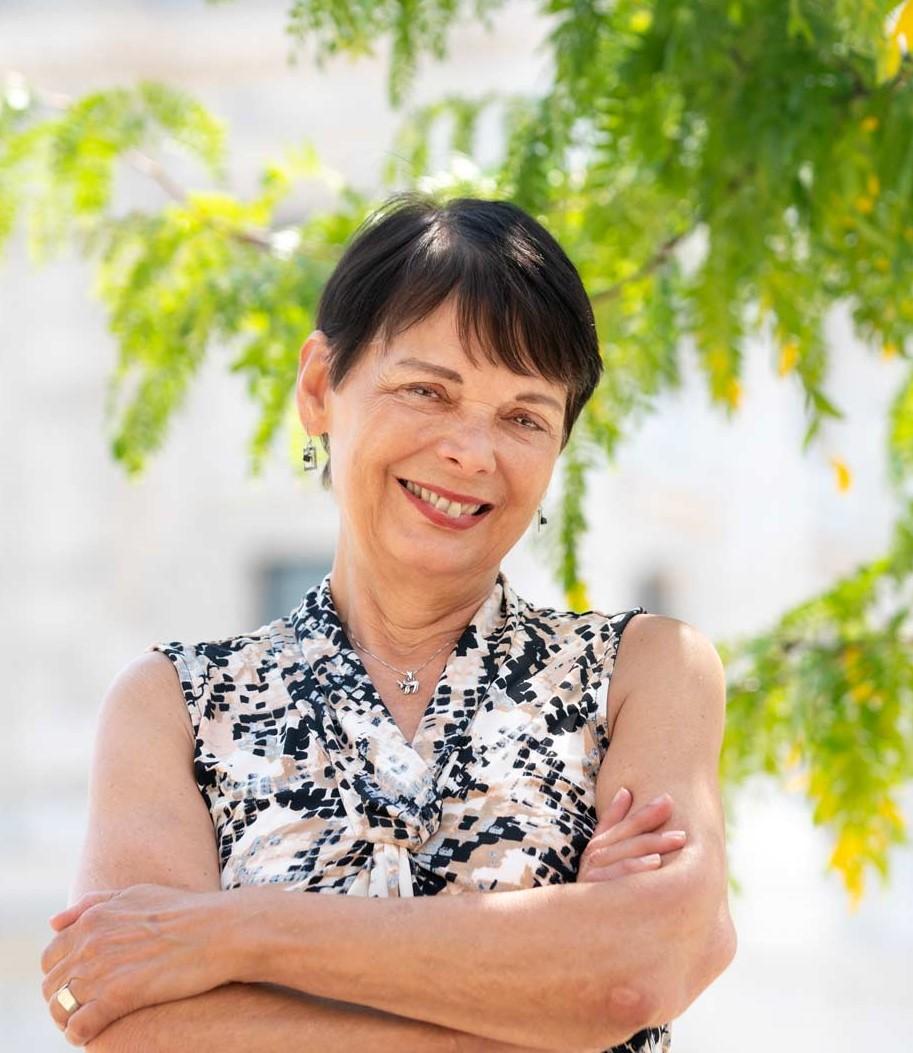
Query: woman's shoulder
column 268, row 636
column 586, row 624
column 598, row 633
column 658, row 646
column 222, row 665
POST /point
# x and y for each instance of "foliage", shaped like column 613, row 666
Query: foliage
column 717, row 169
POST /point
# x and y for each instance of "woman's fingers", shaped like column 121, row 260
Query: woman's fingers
column 626, row 857
column 636, row 847
column 68, row 915
column 634, row 865
column 616, row 811
column 646, row 818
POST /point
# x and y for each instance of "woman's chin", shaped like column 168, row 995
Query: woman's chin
column 439, row 557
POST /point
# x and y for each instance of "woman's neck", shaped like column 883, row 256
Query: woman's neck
column 404, row 617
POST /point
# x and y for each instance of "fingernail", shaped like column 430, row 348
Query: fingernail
column 621, row 793
column 658, row 800
column 674, row 835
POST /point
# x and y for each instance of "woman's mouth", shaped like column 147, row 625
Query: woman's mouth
column 441, row 511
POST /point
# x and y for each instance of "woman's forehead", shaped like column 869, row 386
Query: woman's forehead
column 417, row 350
column 466, row 337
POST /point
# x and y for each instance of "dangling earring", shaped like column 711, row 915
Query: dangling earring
column 309, row 455
column 542, row 521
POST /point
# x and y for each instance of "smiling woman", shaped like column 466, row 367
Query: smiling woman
column 413, row 733
column 469, row 358
column 514, row 289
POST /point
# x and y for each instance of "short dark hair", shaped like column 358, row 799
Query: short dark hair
column 515, row 289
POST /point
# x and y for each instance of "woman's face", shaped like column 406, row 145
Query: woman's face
column 421, row 412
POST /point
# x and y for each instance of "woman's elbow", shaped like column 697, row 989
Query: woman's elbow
column 619, row 1015
column 698, row 974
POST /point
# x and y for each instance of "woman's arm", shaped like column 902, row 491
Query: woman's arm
column 535, row 967
column 149, row 823
column 544, row 965
column 239, row 1018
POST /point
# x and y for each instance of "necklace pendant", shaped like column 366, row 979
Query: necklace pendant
column 409, row 685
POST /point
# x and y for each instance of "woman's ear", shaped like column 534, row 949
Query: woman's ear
column 313, row 383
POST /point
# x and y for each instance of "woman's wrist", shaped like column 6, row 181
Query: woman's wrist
column 242, row 931
column 253, row 923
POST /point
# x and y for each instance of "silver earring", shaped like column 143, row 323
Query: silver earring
column 309, row 455
column 542, row 521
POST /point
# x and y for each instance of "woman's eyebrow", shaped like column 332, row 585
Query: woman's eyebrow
column 451, row 374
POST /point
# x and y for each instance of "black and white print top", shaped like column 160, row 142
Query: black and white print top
column 311, row 784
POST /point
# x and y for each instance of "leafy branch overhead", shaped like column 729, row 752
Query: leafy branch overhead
column 716, row 170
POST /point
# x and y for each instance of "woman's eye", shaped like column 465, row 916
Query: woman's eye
column 530, row 419
column 531, row 425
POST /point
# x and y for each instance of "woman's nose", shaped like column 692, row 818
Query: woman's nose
column 472, row 446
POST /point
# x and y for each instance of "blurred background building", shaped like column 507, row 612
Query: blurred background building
column 722, row 525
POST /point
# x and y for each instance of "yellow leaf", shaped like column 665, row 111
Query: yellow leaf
column 640, row 21
column 717, row 359
column 848, row 850
column 889, row 350
column 789, row 355
column 891, row 61
column 794, row 756
column 849, row 858
column 844, row 476
column 861, row 692
column 255, row 321
column 898, row 43
column 869, row 124
column 888, row 810
column 902, row 31
column 577, row 597
column 864, row 204
column 734, row 393
column 872, row 184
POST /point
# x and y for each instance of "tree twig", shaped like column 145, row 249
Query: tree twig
column 651, row 264
column 150, row 166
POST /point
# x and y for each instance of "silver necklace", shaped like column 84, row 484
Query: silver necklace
column 409, row 685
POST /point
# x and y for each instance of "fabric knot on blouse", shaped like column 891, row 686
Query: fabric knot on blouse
column 391, row 789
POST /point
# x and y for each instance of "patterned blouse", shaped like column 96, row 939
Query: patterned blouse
column 311, row 784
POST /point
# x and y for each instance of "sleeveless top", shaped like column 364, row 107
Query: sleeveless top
column 311, row 784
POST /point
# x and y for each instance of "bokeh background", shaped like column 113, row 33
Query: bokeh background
column 722, row 524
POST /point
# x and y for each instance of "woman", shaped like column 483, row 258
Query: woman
column 413, row 729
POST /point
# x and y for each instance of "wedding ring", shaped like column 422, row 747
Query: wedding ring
column 67, row 999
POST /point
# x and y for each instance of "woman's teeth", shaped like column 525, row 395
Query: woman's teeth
column 450, row 508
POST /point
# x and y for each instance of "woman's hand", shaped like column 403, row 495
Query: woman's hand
column 125, row 949
column 627, row 844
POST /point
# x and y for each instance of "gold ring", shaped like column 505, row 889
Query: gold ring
column 67, row 999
